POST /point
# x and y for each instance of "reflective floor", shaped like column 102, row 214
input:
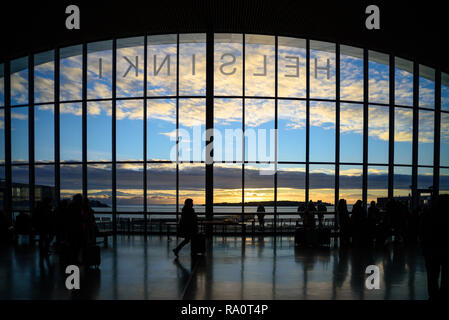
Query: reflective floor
column 234, row 268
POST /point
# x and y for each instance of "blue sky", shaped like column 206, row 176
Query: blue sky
column 259, row 113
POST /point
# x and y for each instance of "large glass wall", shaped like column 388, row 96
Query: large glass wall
column 289, row 124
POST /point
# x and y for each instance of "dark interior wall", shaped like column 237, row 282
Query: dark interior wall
column 413, row 30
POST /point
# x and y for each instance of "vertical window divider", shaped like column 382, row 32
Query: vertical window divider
column 365, row 128
column 31, row 197
column 243, row 124
column 209, row 125
column 307, row 119
column 57, row 168
column 177, row 127
column 337, row 130
column 415, row 134
column 145, row 192
column 84, row 121
column 391, row 76
column 437, row 133
column 8, row 171
column 114, row 136
column 276, row 52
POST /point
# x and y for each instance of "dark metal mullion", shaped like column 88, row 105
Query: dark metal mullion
column 84, row 121
column 31, row 169
column 57, row 168
column 145, row 192
column 177, row 127
column 365, row 128
column 337, row 128
column 276, row 50
column 307, row 118
column 243, row 126
column 8, row 171
column 114, row 136
column 391, row 129
column 415, row 134
column 209, row 125
column 437, row 132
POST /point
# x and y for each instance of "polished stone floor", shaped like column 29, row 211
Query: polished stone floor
column 234, row 268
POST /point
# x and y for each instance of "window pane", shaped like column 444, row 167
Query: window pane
column 259, row 65
column 322, row 131
column 259, row 130
column 130, row 64
column 403, row 134
column 161, row 184
column 322, row 184
column 351, row 73
column 351, row 132
column 351, row 183
column 99, row 131
column 19, row 81
column 161, row 129
column 378, row 134
column 44, row 182
column 130, row 187
column 99, row 70
column 192, row 64
column 425, row 137
column 161, row 64
column 129, row 130
column 377, row 183
column 228, row 188
column 44, row 133
column 71, row 180
column 292, row 67
column 259, row 187
column 44, row 77
column 444, row 140
column 192, row 126
column 192, row 178
column 20, row 188
column 426, row 87
column 322, row 70
column 444, row 181
column 445, row 91
column 99, row 187
column 228, row 64
column 71, row 73
column 291, row 130
column 402, row 181
column 71, row 132
column 228, row 137
column 425, row 178
column 403, row 82
column 291, row 185
column 378, row 77
column 19, row 134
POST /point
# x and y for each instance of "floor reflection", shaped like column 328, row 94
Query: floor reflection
column 135, row 267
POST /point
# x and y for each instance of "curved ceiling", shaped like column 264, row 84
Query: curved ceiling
column 408, row 30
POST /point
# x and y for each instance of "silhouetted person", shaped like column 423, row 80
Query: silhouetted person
column 75, row 229
column 358, row 223
column 321, row 210
column 436, row 247
column 188, row 226
column 61, row 223
column 43, row 223
column 261, row 216
column 373, row 218
column 344, row 221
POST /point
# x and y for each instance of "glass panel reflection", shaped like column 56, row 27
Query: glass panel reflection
column 192, row 64
column 322, row 70
column 378, row 134
column 44, row 77
column 161, row 64
column 351, row 132
column 44, row 133
column 351, row 73
column 161, row 129
column 291, row 130
column 322, row 131
column 292, row 67
column 228, row 64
